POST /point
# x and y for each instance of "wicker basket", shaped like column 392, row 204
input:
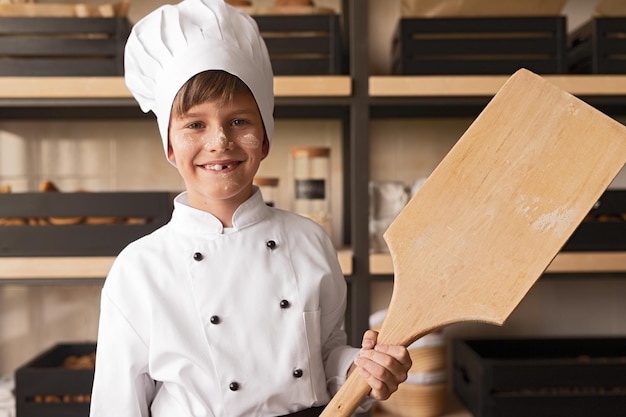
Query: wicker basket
column 428, row 354
column 416, row 400
column 423, row 394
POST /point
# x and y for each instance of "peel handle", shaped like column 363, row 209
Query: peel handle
column 348, row 398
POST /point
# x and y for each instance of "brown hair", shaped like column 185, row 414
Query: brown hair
column 207, row 86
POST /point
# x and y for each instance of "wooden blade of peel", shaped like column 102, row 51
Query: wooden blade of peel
column 496, row 211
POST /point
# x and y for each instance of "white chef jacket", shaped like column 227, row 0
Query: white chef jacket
column 198, row 320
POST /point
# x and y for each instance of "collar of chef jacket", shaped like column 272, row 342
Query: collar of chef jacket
column 251, row 211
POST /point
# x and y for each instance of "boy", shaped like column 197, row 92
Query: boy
column 233, row 308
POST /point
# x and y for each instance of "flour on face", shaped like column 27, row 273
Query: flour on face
column 217, row 141
column 249, row 140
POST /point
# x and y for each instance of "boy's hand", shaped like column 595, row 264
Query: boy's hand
column 384, row 367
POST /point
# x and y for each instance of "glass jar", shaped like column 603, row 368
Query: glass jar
column 311, row 175
column 269, row 189
column 7, row 403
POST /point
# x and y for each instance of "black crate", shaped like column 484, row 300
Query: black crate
column 152, row 209
column 480, row 45
column 604, row 228
column 558, row 377
column 302, row 44
column 598, row 46
column 62, row 46
column 45, row 388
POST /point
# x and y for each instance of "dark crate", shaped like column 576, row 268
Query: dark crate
column 63, row 46
column 82, row 239
column 44, row 388
column 302, row 44
column 598, row 46
column 558, row 377
column 604, row 228
column 485, row 45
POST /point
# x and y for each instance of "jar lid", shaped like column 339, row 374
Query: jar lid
column 311, row 152
column 265, row 181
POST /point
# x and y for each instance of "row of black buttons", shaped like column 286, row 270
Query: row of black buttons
column 283, row 304
column 297, row 373
column 271, row 244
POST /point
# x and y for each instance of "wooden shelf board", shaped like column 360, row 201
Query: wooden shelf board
column 487, row 85
column 598, row 262
column 319, row 86
column 564, row 262
column 313, row 86
column 83, row 267
column 114, row 87
column 78, row 267
column 62, row 87
column 380, row 264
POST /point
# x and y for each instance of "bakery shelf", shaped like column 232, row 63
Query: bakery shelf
column 96, row 267
column 467, row 95
column 487, row 85
column 74, row 269
column 27, row 98
column 30, row 88
column 356, row 98
column 563, row 263
column 16, row 88
column 55, row 268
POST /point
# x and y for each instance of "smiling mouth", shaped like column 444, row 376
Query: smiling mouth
column 218, row 167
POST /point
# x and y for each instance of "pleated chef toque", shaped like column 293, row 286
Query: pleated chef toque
column 175, row 42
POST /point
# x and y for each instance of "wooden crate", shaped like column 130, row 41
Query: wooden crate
column 63, row 46
column 552, row 377
column 598, row 47
column 480, row 45
column 66, row 229
column 303, row 44
column 45, row 388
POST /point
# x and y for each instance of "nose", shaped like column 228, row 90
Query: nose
column 216, row 141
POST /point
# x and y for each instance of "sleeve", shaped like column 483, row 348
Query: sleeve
column 338, row 355
column 122, row 386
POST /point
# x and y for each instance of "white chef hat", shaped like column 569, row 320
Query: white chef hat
column 175, row 42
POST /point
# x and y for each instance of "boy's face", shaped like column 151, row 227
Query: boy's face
column 217, row 149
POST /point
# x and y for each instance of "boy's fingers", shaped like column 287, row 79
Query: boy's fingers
column 369, row 339
column 384, row 366
column 399, row 353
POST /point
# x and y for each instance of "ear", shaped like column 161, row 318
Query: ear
column 170, row 154
column 265, row 147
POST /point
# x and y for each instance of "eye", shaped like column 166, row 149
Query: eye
column 194, row 125
column 239, row 122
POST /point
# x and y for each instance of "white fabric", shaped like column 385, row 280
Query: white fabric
column 159, row 354
column 175, row 42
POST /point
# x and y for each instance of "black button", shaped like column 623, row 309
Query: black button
column 233, row 386
column 297, row 373
column 197, row 256
column 284, row 304
column 214, row 320
column 271, row 244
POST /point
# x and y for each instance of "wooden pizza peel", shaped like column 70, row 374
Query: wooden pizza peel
column 494, row 213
